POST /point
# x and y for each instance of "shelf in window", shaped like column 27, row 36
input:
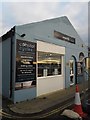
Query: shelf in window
column 71, row 84
column 50, row 76
column 71, row 74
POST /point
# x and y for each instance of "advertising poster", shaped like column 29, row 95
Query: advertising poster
column 25, row 64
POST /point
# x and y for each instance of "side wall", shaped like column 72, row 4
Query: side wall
column 0, row 66
column 6, row 67
column 72, row 52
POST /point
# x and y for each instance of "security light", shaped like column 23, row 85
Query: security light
column 22, row 35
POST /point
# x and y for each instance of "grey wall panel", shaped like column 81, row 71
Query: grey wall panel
column 0, row 67
column 6, row 67
column 13, row 65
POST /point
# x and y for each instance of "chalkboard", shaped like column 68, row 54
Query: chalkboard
column 25, row 61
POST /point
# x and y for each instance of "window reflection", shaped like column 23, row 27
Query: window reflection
column 49, row 64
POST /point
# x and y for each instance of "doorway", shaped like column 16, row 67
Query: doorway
column 73, row 72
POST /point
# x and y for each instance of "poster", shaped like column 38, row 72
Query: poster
column 25, row 63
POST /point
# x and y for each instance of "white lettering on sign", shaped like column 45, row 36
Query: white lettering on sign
column 27, row 45
column 67, row 38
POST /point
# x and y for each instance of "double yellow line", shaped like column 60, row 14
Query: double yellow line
column 2, row 113
column 55, row 110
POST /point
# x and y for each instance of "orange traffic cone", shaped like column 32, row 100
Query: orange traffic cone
column 77, row 106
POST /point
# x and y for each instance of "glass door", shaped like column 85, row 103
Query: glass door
column 71, row 72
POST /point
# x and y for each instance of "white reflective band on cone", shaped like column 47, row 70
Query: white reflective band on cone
column 77, row 99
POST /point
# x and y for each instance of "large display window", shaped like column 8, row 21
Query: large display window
column 49, row 64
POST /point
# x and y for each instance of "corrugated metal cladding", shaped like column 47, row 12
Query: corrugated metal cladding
column 40, row 58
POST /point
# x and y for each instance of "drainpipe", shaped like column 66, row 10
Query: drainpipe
column 76, row 72
column 11, row 49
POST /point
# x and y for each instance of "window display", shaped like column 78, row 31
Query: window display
column 80, row 64
column 71, row 72
column 49, row 64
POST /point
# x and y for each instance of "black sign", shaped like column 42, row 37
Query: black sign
column 25, row 61
column 64, row 37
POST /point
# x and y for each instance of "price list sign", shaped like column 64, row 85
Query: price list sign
column 25, row 61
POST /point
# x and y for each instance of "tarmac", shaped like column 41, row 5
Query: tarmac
column 44, row 102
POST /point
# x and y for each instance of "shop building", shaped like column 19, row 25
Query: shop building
column 40, row 58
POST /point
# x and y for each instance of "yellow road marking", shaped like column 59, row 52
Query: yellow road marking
column 0, row 110
column 0, row 114
column 37, row 116
column 55, row 111
column 6, row 114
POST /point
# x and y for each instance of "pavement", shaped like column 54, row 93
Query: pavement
column 44, row 102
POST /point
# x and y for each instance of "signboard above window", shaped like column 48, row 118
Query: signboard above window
column 64, row 37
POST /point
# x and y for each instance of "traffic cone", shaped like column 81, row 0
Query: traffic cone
column 77, row 105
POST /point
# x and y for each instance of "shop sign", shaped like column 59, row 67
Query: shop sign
column 64, row 37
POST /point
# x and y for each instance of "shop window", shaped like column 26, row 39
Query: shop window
column 49, row 64
column 80, row 64
column 71, row 72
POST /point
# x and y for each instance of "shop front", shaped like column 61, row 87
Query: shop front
column 41, row 58
column 51, row 73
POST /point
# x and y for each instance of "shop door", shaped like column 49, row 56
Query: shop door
column 72, row 71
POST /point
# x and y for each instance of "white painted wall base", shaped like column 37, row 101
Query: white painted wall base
column 49, row 84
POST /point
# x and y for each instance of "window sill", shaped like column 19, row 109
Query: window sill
column 48, row 76
column 71, row 74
